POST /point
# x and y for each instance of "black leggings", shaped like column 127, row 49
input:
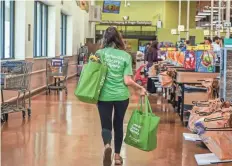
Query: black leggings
column 105, row 110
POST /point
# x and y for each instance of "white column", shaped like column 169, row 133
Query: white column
column 20, row 31
column 188, row 14
column 179, row 20
column 219, row 16
column 228, row 17
column 211, row 21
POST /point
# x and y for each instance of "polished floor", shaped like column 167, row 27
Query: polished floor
column 65, row 132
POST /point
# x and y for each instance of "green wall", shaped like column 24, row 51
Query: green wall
column 149, row 11
column 138, row 11
column 165, row 35
column 172, row 14
column 134, row 44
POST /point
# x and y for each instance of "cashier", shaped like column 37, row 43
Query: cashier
column 216, row 46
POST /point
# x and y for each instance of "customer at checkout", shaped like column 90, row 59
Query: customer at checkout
column 152, row 54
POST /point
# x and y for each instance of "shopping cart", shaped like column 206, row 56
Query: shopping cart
column 57, row 71
column 16, row 76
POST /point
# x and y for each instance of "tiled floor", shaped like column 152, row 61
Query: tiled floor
column 65, row 132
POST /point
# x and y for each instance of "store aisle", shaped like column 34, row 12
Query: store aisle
column 64, row 131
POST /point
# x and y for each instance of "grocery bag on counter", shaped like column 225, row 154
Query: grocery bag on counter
column 91, row 81
column 219, row 143
column 142, row 128
column 166, row 78
column 216, row 132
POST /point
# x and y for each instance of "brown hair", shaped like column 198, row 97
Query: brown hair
column 154, row 45
column 112, row 38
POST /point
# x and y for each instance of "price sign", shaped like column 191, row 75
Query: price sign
column 206, row 32
column 219, row 27
column 163, row 49
column 171, row 49
column 191, row 48
column 227, row 24
column 203, row 47
column 180, row 28
column 173, row 31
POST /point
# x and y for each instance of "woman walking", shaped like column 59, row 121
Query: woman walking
column 115, row 93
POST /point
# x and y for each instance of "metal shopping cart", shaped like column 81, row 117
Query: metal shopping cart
column 16, row 76
column 57, row 71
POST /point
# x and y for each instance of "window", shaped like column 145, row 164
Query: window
column 63, row 34
column 41, row 29
column 7, row 9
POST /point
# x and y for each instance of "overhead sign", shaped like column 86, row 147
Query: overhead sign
column 173, row 31
column 94, row 13
column 227, row 24
column 227, row 42
column 141, row 23
column 180, row 28
column 219, row 26
column 159, row 24
column 206, row 32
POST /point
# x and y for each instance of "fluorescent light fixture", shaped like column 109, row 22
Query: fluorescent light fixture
column 209, row 11
column 218, row 7
column 200, row 16
column 203, row 14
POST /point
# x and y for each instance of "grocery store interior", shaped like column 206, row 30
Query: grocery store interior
column 181, row 53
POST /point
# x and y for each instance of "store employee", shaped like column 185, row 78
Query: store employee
column 216, row 46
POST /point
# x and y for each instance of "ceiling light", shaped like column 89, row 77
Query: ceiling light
column 203, row 14
column 209, row 11
column 217, row 7
column 200, row 16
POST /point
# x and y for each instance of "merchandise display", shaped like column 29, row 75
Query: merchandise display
column 205, row 61
column 190, row 60
column 197, row 93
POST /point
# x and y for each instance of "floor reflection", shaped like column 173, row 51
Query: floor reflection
column 64, row 131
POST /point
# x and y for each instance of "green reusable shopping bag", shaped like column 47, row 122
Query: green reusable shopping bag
column 91, row 81
column 142, row 128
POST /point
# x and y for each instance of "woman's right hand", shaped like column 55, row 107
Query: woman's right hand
column 143, row 91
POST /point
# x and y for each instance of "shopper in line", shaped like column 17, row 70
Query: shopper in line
column 115, row 93
column 152, row 54
column 186, row 44
column 147, row 47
